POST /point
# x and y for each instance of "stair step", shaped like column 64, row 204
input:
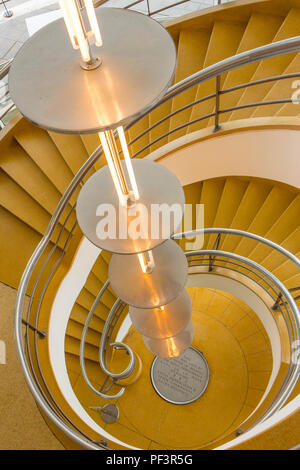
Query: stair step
column 141, row 126
column 86, row 300
column 191, row 55
column 21, row 168
column 93, row 285
column 72, row 346
column 274, row 260
column 79, row 314
column 37, row 143
column 282, row 89
column 71, row 148
column 254, row 197
column 232, row 195
column 211, row 194
column 23, row 206
column 91, row 142
column 192, row 197
column 161, row 129
column 285, row 226
column 270, row 67
column 277, row 202
column 75, row 329
column 261, row 30
column 93, row 370
column 224, row 42
column 20, row 241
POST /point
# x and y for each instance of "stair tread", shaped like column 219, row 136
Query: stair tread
column 224, row 42
column 232, row 195
column 278, row 198
column 71, row 148
column 75, row 329
column 23, row 206
column 280, row 90
column 79, row 314
column 72, row 346
column 25, row 172
column 191, row 55
column 270, row 67
column 254, row 197
column 37, row 143
column 260, row 30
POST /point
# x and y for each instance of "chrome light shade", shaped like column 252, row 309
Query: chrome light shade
column 165, row 321
column 173, row 346
column 149, row 290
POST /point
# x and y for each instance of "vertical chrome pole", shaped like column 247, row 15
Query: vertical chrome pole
column 218, row 86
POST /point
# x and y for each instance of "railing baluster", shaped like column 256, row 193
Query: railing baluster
column 217, row 116
column 42, row 334
column 148, row 7
column 215, row 247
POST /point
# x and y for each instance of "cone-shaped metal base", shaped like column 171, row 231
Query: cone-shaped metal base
column 160, row 287
column 50, row 88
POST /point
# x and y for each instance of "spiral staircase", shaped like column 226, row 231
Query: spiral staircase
column 251, row 242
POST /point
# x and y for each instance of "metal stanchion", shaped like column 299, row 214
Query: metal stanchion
column 7, row 13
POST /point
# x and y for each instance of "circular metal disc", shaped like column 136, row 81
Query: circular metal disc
column 50, row 89
column 181, row 380
column 149, row 290
column 174, row 346
column 157, row 323
column 157, row 185
column 110, row 413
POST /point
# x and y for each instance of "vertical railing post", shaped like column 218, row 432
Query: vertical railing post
column 276, row 305
column 215, row 247
column 42, row 334
column 148, row 7
column 217, row 115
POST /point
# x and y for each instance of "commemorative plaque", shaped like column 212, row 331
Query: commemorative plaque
column 181, row 380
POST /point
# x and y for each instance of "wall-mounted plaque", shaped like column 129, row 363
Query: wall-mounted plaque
column 181, row 380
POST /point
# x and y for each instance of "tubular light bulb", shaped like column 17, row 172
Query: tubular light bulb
column 93, row 21
column 64, row 6
column 146, row 261
column 128, row 162
column 75, row 27
column 112, row 169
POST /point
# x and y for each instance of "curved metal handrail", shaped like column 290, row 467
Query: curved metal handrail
column 292, row 319
column 240, row 233
column 41, row 401
column 115, row 376
column 264, row 52
column 282, row 396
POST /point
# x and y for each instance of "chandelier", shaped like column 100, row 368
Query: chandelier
column 122, row 62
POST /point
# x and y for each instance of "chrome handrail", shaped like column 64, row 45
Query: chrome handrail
column 115, row 376
column 271, row 50
column 291, row 317
column 268, row 51
column 99, row 3
column 294, row 369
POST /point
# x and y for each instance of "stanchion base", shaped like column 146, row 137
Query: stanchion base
column 8, row 14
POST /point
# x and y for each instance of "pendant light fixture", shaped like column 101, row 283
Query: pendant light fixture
column 95, row 71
